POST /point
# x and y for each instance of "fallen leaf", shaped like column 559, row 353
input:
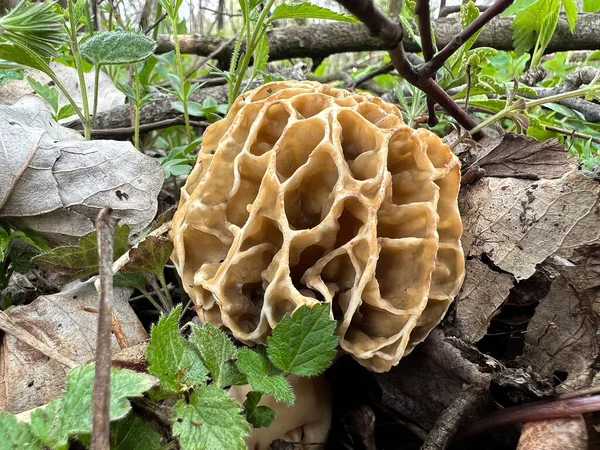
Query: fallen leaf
column 66, row 322
column 483, row 292
column 520, row 156
column 54, row 182
column 519, row 223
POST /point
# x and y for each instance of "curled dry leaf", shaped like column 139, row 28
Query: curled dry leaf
column 55, row 182
column 519, row 223
column 67, row 322
column 555, row 434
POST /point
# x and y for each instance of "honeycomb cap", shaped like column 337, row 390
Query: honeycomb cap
column 305, row 193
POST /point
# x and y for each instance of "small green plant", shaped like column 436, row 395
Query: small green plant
column 195, row 372
column 254, row 36
column 70, row 416
column 16, row 249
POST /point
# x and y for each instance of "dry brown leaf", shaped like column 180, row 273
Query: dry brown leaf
column 561, row 336
column 67, row 323
column 484, row 291
column 519, row 223
column 520, row 156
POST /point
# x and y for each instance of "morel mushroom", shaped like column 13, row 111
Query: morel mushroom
column 304, row 194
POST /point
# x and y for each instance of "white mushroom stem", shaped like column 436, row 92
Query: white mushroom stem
column 308, row 420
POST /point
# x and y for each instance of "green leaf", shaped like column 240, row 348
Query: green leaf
column 132, row 433
column 48, row 93
column 258, row 416
column 71, row 414
column 134, row 280
column 109, row 47
column 22, row 55
column 307, row 11
column 65, row 111
column 256, row 367
column 212, row 420
column 591, row 5
column 82, row 260
column 570, row 8
column 261, row 53
column 468, row 13
column 304, row 343
column 534, row 27
column 172, row 358
column 27, row 236
column 150, row 256
column 16, row 435
column 219, row 355
column 518, row 6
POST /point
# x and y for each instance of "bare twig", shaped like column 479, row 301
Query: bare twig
column 391, row 35
column 422, row 12
column 533, row 411
column 386, row 68
column 447, row 424
column 210, row 56
column 572, row 133
column 101, row 395
column 453, row 9
column 155, row 24
column 436, row 63
column 126, row 132
column 8, row 326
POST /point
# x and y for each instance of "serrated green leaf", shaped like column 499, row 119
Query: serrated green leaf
column 219, row 355
column 304, row 343
column 132, row 433
column 27, row 236
column 16, row 435
column 517, row 6
column 257, row 416
column 110, row 47
column 78, row 261
column 212, row 420
column 261, row 53
column 48, row 93
column 255, row 366
column 150, row 256
column 591, row 5
column 307, row 10
column 134, row 280
column 71, row 414
column 570, row 8
column 172, row 358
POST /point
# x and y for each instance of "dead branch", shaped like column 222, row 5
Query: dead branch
column 318, row 41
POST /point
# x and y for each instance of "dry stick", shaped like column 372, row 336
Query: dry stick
column 436, row 63
column 8, row 326
column 101, row 396
column 424, row 23
column 386, row 68
column 147, row 127
column 155, row 24
column 572, row 133
column 543, row 410
column 391, row 35
column 447, row 424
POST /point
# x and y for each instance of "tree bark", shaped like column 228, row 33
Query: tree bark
column 322, row 40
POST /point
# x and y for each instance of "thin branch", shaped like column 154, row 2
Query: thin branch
column 212, row 55
column 572, row 133
column 101, row 395
column 543, row 410
column 391, row 35
column 126, row 132
column 453, row 9
column 155, row 24
column 442, row 56
column 424, row 23
column 221, row 13
column 386, row 68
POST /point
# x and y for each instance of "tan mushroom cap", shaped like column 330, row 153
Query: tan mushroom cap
column 305, row 193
